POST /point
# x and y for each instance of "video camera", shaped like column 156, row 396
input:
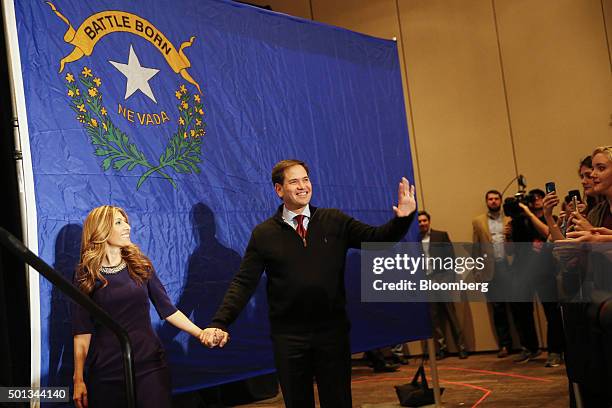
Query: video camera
column 511, row 204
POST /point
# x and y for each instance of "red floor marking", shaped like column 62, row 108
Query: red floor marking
column 524, row 377
column 486, row 391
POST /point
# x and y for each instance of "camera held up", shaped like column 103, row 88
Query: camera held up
column 511, row 204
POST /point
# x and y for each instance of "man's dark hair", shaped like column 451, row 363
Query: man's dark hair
column 425, row 213
column 493, row 192
column 537, row 192
column 278, row 172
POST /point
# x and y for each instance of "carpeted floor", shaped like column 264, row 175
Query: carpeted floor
column 480, row 381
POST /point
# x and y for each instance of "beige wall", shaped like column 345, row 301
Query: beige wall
column 493, row 88
column 298, row 8
column 607, row 14
column 558, row 79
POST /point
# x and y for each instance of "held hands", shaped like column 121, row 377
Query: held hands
column 80, row 394
column 579, row 222
column 598, row 234
column 551, row 200
column 406, row 203
column 561, row 219
column 212, row 337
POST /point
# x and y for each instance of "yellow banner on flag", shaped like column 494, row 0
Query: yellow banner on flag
column 98, row 25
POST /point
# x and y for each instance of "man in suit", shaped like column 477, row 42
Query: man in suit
column 488, row 238
column 303, row 249
column 438, row 244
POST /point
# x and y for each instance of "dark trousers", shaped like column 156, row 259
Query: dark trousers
column 502, row 324
column 523, row 272
column 498, row 286
column 324, row 356
column 546, row 288
column 441, row 312
column 522, row 312
column 555, row 338
column 588, row 356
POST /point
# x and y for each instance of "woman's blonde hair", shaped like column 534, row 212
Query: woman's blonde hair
column 607, row 150
column 96, row 230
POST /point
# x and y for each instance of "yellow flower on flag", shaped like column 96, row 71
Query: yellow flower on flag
column 93, row 115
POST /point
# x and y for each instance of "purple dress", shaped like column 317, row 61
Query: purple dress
column 128, row 303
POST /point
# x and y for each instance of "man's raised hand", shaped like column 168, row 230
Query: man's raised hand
column 406, row 203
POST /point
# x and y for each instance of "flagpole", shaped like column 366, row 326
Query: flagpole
column 25, row 181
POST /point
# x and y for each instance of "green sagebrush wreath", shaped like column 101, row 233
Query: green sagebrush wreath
column 183, row 149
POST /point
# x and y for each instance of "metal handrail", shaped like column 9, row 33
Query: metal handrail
column 22, row 252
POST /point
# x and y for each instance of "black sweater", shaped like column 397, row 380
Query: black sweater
column 305, row 283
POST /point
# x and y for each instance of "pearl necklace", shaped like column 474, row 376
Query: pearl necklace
column 111, row 270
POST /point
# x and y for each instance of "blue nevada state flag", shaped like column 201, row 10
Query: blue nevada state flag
column 177, row 111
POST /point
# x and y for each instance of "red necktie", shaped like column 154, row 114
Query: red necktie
column 300, row 227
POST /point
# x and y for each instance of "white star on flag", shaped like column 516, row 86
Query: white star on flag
column 137, row 76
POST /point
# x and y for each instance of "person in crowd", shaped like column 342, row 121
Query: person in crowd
column 541, row 264
column 302, row 249
column 488, row 239
column 533, row 272
column 438, row 244
column 600, row 215
column 588, row 187
column 551, row 200
column 589, row 346
column 116, row 275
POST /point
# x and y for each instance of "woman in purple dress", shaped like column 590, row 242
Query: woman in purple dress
column 120, row 279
